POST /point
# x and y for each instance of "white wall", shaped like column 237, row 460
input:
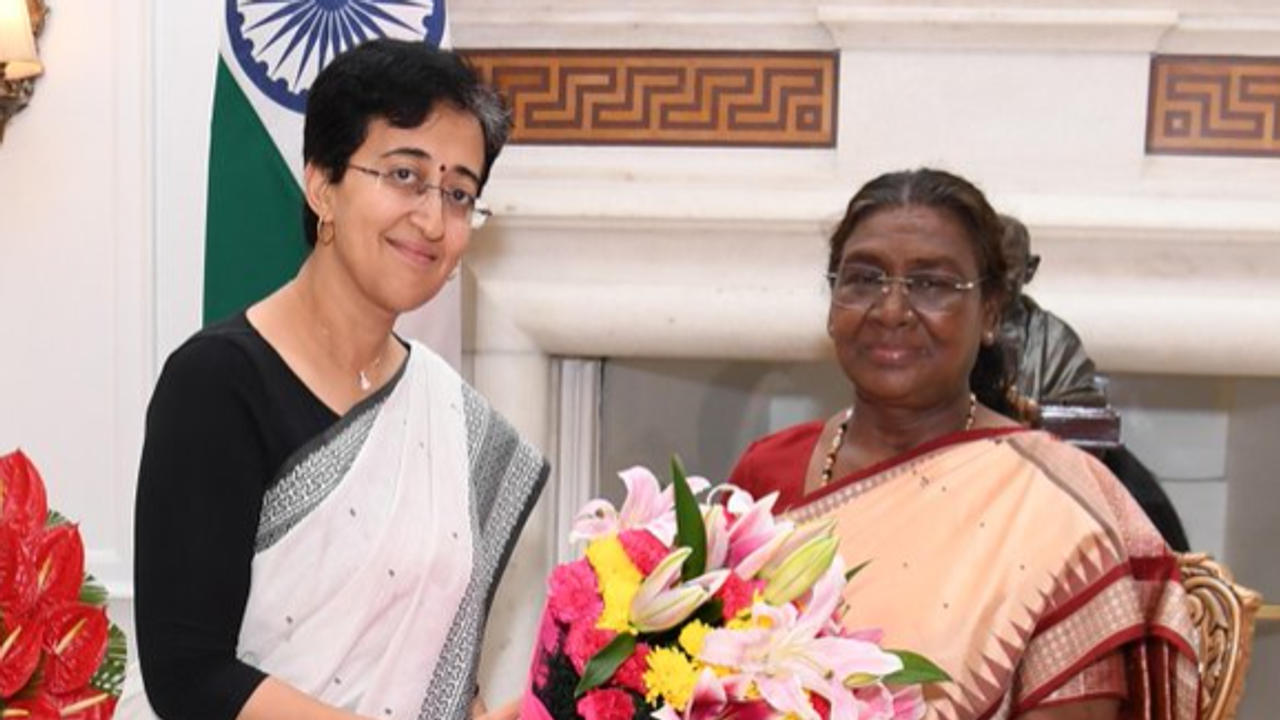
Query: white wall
column 76, row 280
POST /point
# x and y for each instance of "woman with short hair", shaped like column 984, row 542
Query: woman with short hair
column 324, row 509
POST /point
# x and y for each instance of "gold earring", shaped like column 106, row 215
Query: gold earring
column 320, row 234
column 988, row 338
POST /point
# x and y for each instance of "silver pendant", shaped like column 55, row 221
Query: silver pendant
column 365, row 385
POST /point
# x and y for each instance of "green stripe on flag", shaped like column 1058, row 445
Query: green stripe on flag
column 253, row 234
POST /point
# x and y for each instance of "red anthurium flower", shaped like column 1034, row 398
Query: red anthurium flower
column 75, row 641
column 59, row 563
column 32, row 708
column 22, row 501
column 19, row 655
column 17, row 574
column 87, row 703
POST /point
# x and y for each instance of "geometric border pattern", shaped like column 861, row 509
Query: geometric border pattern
column 660, row 97
column 1214, row 105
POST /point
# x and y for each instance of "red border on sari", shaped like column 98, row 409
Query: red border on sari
column 955, row 438
column 1112, row 643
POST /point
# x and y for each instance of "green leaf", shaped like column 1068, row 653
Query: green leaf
column 848, row 575
column 55, row 518
column 916, row 670
column 690, row 531
column 110, row 674
column 92, row 592
column 603, row 664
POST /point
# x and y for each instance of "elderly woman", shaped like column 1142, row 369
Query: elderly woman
column 1015, row 561
column 324, row 509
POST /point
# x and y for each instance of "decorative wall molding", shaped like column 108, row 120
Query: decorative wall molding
column 695, row 25
column 994, row 28
column 612, row 97
column 576, row 386
column 1238, row 33
column 1144, row 26
column 1149, row 290
column 1214, row 106
column 133, row 354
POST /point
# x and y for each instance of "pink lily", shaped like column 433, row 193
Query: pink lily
column 706, row 703
column 717, row 537
column 908, row 703
column 784, row 656
column 658, row 606
column 753, row 527
column 646, row 507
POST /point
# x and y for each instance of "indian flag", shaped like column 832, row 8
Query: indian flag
column 270, row 53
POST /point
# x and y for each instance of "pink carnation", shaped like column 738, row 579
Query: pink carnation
column 608, row 704
column 630, row 674
column 584, row 641
column 549, row 633
column 735, row 594
column 573, row 594
column 644, row 550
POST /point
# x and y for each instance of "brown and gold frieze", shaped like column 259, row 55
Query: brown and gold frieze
column 637, row 97
column 1214, row 105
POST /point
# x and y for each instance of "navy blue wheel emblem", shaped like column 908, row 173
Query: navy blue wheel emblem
column 282, row 44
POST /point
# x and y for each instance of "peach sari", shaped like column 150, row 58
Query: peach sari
column 1022, row 567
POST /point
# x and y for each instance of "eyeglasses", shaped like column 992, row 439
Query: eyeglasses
column 858, row 287
column 458, row 203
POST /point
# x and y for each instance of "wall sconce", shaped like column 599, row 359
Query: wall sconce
column 20, row 22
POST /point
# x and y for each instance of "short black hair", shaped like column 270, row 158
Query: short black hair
column 402, row 82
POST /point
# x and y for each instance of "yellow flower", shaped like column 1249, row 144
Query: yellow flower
column 692, row 635
column 671, row 676
column 619, row 580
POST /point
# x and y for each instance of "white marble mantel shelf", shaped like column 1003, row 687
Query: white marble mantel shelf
column 1143, row 26
column 1164, row 285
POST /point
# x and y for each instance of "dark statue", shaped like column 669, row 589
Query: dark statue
column 1055, row 372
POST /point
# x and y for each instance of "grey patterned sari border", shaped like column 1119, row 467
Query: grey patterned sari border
column 506, row 476
column 312, row 471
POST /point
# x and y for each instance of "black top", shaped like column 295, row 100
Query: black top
column 226, row 414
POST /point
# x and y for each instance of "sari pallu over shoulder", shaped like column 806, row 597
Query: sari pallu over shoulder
column 381, row 546
column 1022, row 567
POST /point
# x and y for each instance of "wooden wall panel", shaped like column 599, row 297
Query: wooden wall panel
column 1214, row 105
column 606, row 97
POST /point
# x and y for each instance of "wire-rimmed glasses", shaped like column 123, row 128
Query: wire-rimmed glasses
column 858, row 287
column 458, row 202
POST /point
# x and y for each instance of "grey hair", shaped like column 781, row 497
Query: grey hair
column 493, row 115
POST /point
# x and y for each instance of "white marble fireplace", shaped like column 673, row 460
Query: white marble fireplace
column 678, row 261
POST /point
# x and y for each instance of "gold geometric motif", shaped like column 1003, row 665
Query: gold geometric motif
column 638, row 97
column 1214, row 106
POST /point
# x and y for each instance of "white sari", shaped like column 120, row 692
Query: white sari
column 380, row 546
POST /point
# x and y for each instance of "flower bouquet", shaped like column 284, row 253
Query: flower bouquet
column 59, row 655
column 688, row 611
